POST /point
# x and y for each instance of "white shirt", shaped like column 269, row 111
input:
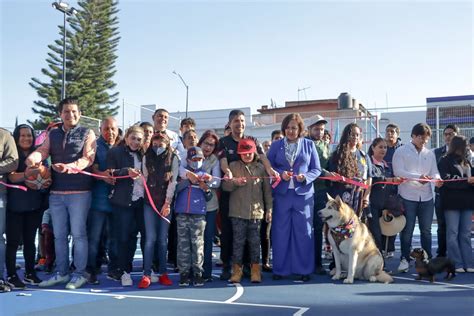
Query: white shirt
column 176, row 143
column 409, row 163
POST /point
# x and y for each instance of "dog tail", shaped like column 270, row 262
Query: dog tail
column 384, row 277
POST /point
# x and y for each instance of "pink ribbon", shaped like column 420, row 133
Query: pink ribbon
column 14, row 186
column 147, row 191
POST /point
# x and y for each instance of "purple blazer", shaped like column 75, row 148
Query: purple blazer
column 306, row 162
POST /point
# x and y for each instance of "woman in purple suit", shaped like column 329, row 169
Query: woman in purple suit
column 296, row 159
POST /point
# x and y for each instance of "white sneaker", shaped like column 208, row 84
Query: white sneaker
column 126, row 279
column 470, row 270
column 460, row 270
column 404, row 265
column 154, row 277
column 55, row 280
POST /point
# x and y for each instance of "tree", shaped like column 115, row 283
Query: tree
column 91, row 46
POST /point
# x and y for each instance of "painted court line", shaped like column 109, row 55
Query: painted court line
column 436, row 282
column 238, row 293
column 300, row 310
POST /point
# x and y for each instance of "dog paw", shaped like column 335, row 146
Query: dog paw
column 332, row 272
column 373, row 278
column 348, row 281
column 336, row 277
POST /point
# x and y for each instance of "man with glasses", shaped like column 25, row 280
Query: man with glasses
column 449, row 132
column 418, row 165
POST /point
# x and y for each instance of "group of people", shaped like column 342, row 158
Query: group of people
column 171, row 191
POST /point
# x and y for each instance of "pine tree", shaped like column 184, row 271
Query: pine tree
column 90, row 62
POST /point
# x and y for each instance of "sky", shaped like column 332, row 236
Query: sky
column 235, row 54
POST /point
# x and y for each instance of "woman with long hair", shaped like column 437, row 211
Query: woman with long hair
column 24, row 212
column 160, row 168
column 127, row 199
column 350, row 161
column 457, row 202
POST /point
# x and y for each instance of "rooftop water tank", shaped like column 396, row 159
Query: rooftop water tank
column 344, row 101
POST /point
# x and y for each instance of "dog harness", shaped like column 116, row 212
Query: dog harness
column 343, row 232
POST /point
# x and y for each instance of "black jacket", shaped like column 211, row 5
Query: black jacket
column 458, row 195
column 120, row 159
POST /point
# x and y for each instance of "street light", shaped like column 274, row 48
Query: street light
column 64, row 8
column 187, row 90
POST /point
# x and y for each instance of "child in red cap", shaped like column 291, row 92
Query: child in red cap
column 250, row 194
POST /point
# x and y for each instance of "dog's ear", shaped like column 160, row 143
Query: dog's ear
column 329, row 197
column 338, row 200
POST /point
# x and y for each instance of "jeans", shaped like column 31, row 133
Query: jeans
column 70, row 211
column 458, row 231
column 3, row 209
column 320, row 200
column 424, row 211
column 156, row 232
column 22, row 226
column 127, row 221
column 441, row 227
column 96, row 223
column 209, row 233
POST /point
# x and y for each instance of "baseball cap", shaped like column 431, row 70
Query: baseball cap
column 194, row 152
column 316, row 120
column 246, row 146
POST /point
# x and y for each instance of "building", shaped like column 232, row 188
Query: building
column 442, row 111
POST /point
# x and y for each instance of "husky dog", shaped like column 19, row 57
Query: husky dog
column 352, row 244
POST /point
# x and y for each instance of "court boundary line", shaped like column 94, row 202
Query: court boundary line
column 468, row 286
column 300, row 310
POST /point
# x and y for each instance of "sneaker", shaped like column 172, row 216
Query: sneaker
column 154, row 277
column 470, row 270
column 92, row 278
column 55, row 280
column 198, row 280
column 126, row 279
column 404, row 266
column 144, row 282
column 460, row 270
column 76, row 282
column 184, row 279
column 4, row 286
column 165, row 280
column 15, row 282
column 114, row 275
column 389, row 255
column 32, row 279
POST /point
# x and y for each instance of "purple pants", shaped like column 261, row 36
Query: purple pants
column 292, row 234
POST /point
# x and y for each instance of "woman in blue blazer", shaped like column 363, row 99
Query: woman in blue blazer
column 296, row 160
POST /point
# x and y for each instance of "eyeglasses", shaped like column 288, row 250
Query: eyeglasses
column 209, row 144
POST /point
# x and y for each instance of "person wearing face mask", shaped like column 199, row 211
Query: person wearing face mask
column 161, row 171
column 127, row 200
column 190, row 210
column 250, row 195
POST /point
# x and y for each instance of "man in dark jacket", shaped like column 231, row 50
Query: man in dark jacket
column 72, row 148
column 449, row 132
column 8, row 163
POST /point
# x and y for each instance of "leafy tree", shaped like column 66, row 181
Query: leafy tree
column 91, row 44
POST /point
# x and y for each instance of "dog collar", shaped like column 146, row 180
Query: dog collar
column 345, row 231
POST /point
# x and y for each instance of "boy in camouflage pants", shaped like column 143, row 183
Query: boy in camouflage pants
column 190, row 212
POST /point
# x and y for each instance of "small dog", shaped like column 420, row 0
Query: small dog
column 428, row 268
